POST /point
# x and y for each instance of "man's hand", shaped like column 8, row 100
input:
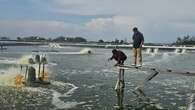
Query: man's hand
column 141, row 45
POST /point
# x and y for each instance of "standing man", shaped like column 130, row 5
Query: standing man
column 138, row 40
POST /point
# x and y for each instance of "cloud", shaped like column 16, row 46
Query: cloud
column 141, row 8
column 100, row 23
column 107, row 28
column 32, row 25
column 99, row 28
column 123, row 22
column 44, row 28
column 158, row 20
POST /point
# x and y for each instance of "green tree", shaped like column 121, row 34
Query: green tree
column 59, row 39
column 19, row 38
column 122, row 41
column 116, row 41
column 100, row 41
column 185, row 40
column 80, row 39
column 5, row 38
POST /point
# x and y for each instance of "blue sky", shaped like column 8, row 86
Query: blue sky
column 158, row 20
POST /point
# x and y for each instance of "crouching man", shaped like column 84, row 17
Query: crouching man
column 120, row 57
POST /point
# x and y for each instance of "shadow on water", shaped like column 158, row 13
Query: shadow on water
column 120, row 97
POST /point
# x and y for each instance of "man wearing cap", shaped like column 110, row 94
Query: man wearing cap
column 138, row 40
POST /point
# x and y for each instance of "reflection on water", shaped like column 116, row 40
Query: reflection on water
column 119, row 87
column 141, row 102
column 120, row 96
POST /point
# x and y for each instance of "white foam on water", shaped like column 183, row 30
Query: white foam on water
column 56, row 101
column 36, row 89
column 7, row 60
column 61, row 104
column 7, row 79
column 171, row 92
column 164, row 57
column 148, row 50
column 52, row 64
column 159, row 106
column 24, row 60
column 62, row 84
column 7, row 76
column 66, row 53
column 56, row 96
column 84, row 51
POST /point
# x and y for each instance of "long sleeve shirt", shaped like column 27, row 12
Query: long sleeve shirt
column 138, row 39
column 119, row 56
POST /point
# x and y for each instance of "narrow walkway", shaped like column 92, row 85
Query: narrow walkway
column 161, row 71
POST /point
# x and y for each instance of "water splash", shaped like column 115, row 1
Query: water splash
column 86, row 51
column 7, row 76
column 56, row 95
column 24, row 60
column 5, row 60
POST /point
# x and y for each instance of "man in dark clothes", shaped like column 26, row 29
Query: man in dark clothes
column 119, row 56
column 138, row 40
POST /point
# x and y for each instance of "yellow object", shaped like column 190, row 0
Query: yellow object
column 19, row 81
column 44, row 76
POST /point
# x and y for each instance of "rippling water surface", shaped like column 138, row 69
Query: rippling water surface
column 86, row 82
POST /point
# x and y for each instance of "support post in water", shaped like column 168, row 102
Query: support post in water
column 119, row 87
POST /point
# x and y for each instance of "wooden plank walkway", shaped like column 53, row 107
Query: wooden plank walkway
column 161, row 71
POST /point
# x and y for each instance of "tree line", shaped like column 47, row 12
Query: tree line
column 185, row 40
column 57, row 39
column 42, row 39
column 115, row 41
column 63, row 39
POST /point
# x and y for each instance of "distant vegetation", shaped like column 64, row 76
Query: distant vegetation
column 31, row 39
column 69, row 39
column 58, row 39
column 63, row 39
column 115, row 42
column 185, row 40
column 4, row 38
